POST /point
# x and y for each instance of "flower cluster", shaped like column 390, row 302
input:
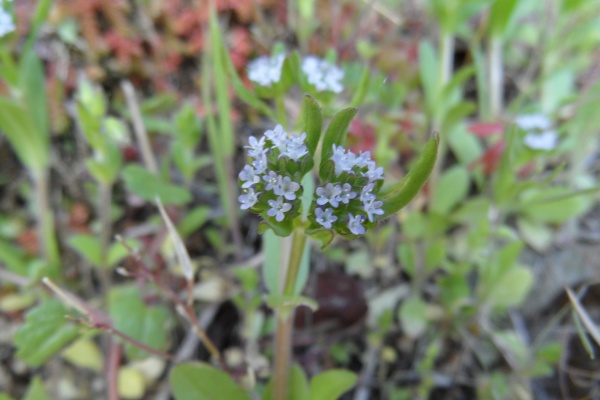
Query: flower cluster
column 266, row 70
column 349, row 199
column 540, row 135
column 322, row 74
column 270, row 179
column 6, row 22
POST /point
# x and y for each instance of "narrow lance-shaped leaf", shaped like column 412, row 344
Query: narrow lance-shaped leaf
column 398, row 195
column 363, row 86
column 33, row 86
column 336, row 134
column 313, row 123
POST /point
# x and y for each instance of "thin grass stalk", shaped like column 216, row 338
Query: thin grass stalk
column 104, row 203
column 45, row 222
column 496, row 76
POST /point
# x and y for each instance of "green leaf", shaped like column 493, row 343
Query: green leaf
column 36, row 390
column 552, row 204
column 288, row 303
column 313, row 123
column 330, row 385
column 398, row 195
column 194, row 220
column 30, row 145
column 362, row 88
column 276, row 257
column 456, row 114
column 413, row 316
column 148, row 186
column 500, row 14
column 199, row 381
column 145, row 323
column 46, row 331
column 510, row 289
column 335, row 134
column 452, row 188
column 33, row 86
column 88, row 246
column 428, row 65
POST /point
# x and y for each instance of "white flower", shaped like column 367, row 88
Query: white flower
column 286, row 187
column 294, row 147
column 322, row 74
column 355, row 224
column 344, row 160
column 272, row 180
column 530, row 122
column 6, row 22
column 266, row 70
column 325, row 218
column 277, row 136
column 248, row 174
column 329, row 194
column 373, row 207
column 363, row 159
column 373, row 173
column 248, row 199
column 260, row 165
column 278, row 208
column 366, row 195
column 541, row 141
column 256, row 147
column 347, row 193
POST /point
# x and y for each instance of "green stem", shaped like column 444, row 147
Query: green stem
column 281, row 114
column 45, row 222
column 285, row 319
column 104, row 204
column 496, row 76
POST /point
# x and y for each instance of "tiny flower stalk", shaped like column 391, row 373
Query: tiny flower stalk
column 349, row 199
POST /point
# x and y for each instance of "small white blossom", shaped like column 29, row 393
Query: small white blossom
column 541, row 141
column 373, row 173
column 366, row 195
column 266, row 70
column 373, row 207
column 363, row 159
column 322, row 74
column 355, row 224
column 329, row 194
column 347, row 193
column 272, row 180
column 6, row 22
column 325, row 218
column 256, row 147
column 343, row 160
column 286, row 187
column 531, row 122
column 277, row 136
column 278, row 208
column 294, row 147
column 249, row 176
column 248, row 199
column 260, row 165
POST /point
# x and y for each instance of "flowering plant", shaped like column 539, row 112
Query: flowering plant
column 350, row 197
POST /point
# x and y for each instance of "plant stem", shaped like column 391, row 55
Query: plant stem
column 45, row 222
column 285, row 319
column 496, row 76
column 105, row 200
column 280, row 107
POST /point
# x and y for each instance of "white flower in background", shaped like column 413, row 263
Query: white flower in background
column 266, row 70
column 278, row 208
column 540, row 135
column 322, row 74
column 541, row 141
column 6, row 22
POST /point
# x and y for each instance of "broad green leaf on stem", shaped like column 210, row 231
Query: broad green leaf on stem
column 33, row 87
column 553, row 204
column 148, row 324
column 148, row 186
column 500, row 16
column 46, row 331
column 330, row 385
column 413, row 316
column 30, row 145
column 397, row 195
column 452, row 188
column 362, row 89
column 297, row 386
column 199, row 381
column 587, row 321
column 313, row 123
column 335, row 134
column 510, row 289
column 36, row 390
